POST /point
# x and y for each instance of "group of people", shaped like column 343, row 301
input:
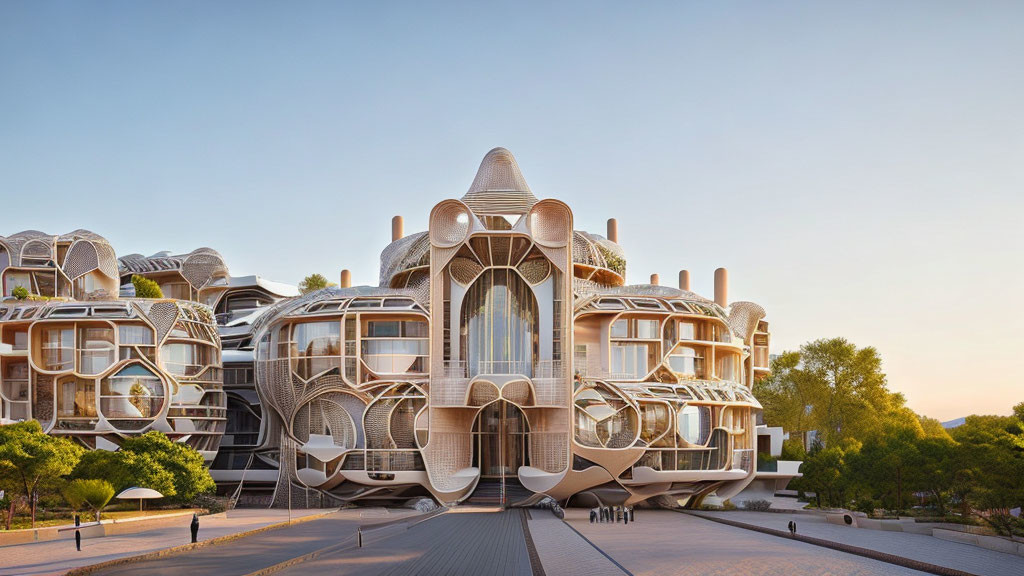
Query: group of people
column 612, row 514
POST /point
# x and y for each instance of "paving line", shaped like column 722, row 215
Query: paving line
column 535, row 564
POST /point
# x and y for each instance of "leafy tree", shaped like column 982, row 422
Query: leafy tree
column 95, row 494
column 989, row 448
column 20, row 292
column 124, row 469
column 824, row 473
column 146, row 288
column 830, row 386
column 185, row 464
column 35, row 460
column 314, row 282
column 1018, row 411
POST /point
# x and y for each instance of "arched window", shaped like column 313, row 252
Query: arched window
column 499, row 324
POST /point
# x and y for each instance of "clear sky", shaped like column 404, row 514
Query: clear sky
column 858, row 167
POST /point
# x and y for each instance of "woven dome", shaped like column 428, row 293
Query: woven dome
column 499, row 186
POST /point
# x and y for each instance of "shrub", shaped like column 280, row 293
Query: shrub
column 211, row 503
column 95, row 494
column 757, row 505
column 185, row 465
column 146, row 288
column 20, row 292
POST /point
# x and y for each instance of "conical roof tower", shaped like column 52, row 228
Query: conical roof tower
column 499, row 186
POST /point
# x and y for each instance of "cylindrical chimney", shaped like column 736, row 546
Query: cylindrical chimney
column 397, row 226
column 684, row 280
column 655, row 280
column 613, row 230
column 722, row 287
column 346, row 279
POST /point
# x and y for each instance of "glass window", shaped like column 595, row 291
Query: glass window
column 134, row 392
column 690, row 424
column 620, row 328
column 629, row 360
column 647, row 329
column 184, row 359
column 95, row 350
column 58, row 347
column 133, row 335
column 684, row 361
column 727, row 368
column 317, row 339
column 687, row 331
column 379, row 329
column 499, row 321
column 16, row 279
column 77, row 398
column 316, row 348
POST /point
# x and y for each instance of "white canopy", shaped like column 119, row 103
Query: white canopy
column 141, row 493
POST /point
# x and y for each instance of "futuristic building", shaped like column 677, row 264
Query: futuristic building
column 237, row 302
column 80, row 265
column 97, row 368
column 503, row 357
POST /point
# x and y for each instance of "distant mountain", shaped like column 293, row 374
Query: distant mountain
column 954, row 423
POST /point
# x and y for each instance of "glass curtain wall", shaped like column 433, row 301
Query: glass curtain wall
column 499, row 324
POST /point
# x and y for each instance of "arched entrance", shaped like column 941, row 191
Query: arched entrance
column 500, row 441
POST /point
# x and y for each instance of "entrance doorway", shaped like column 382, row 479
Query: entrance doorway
column 500, row 441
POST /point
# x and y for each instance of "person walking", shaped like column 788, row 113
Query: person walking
column 195, row 528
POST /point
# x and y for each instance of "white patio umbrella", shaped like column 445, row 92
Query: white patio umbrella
column 140, row 493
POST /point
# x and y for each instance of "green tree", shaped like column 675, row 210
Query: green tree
column 20, row 292
column 146, row 288
column 35, row 460
column 185, row 464
column 824, row 473
column 95, row 494
column 830, row 386
column 125, row 469
column 1018, row 411
column 314, row 282
column 989, row 449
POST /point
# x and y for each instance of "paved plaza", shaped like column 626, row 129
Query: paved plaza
column 666, row 543
column 400, row 542
column 57, row 557
column 958, row 556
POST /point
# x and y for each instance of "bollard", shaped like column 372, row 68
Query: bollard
column 359, row 537
column 78, row 533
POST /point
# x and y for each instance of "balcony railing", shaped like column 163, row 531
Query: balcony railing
column 743, row 460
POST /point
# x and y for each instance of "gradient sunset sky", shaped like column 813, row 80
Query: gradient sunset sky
column 858, row 167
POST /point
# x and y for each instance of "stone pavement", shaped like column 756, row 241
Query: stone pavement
column 973, row 559
column 563, row 551
column 451, row 544
column 666, row 543
column 258, row 551
column 59, row 556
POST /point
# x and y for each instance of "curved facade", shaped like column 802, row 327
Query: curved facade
column 96, row 368
column 502, row 356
